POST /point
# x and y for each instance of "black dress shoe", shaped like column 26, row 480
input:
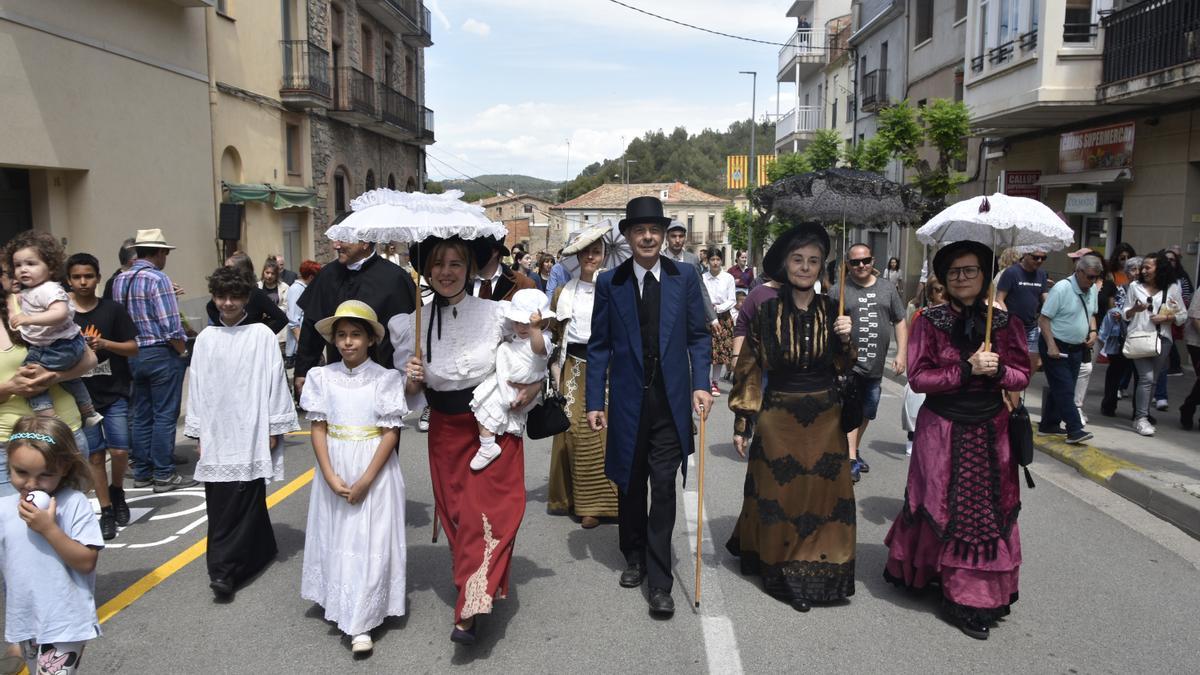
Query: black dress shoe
column 800, row 604
column 970, row 627
column 661, row 603
column 221, row 588
column 633, row 575
column 108, row 523
column 1186, row 413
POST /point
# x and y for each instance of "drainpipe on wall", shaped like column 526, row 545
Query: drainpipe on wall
column 213, row 98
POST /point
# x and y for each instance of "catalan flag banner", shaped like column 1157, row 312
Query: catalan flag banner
column 737, row 171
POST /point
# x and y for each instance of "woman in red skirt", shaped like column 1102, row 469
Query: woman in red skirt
column 480, row 511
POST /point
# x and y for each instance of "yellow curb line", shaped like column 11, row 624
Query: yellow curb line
column 1096, row 464
column 160, row 574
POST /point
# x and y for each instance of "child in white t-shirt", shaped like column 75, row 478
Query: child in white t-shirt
column 49, row 543
column 521, row 359
column 46, row 320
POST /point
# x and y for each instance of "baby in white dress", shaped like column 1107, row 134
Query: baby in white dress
column 521, row 359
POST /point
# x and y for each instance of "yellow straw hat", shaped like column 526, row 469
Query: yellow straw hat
column 351, row 309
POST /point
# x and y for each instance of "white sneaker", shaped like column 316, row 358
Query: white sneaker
column 1143, row 426
column 483, row 456
column 361, row 644
column 423, row 422
column 1161, row 404
column 908, row 448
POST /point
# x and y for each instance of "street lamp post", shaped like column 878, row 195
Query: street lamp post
column 753, row 161
column 627, row 163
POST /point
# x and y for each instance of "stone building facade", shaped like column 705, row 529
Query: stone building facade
column 374, row 129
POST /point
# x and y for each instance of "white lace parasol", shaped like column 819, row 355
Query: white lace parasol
column 999, row 221
column 384, row 215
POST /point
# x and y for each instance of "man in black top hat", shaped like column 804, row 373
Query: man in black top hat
column 651, row 349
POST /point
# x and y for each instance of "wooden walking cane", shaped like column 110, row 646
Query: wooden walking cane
column 700, row 505
column 417, row 353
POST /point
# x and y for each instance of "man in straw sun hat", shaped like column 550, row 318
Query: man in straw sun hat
column 157, row 370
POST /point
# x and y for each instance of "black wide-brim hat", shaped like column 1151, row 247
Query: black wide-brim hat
column 947, row 254
column 481, row 248
column 643, row 210
column 774, row 263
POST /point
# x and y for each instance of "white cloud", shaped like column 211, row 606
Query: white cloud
column 436, row 10
column 531, row 137
column 477, row 27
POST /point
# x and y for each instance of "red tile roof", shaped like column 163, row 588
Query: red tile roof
column 500, row 199
column 616, row 195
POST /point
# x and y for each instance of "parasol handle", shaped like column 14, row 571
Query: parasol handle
column 987, row 330
column 417, row 330
column 842, row 286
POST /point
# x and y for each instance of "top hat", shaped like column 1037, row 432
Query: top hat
column 643, row 210
column 350, row 309
column 152, row 238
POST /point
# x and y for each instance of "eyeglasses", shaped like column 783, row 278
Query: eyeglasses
column 1094, row 277
column 969, row 272
column 1038, row 258
column 860, row 262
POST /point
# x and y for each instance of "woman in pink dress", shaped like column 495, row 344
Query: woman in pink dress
column 958, row 527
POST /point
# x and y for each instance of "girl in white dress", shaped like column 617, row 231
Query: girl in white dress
column 521, row 359
column 354, row 551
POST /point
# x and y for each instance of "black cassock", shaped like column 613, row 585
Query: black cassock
column 386, row 287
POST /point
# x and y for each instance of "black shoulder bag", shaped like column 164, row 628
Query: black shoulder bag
column 1020, row 438
column 548, row 418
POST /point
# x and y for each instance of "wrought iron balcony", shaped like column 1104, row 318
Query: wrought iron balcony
column 306, row 82
column 354, row 96
column 1151, row 36
column 426, row 125
column 874, row 90
column 397, row 109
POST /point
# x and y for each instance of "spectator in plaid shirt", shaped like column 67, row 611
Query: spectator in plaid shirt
column 159, row 366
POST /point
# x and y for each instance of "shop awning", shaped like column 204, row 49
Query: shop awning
column 1098, row 177
column 278, row 196
column 294, row 197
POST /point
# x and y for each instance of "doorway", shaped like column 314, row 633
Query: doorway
column 292, row 249
column 16, row 213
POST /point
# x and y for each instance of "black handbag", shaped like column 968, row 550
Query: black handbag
column 549, row 417
column 850, row 393
column 1020, row 439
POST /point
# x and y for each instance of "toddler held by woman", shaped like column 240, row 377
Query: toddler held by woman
column 521, row 359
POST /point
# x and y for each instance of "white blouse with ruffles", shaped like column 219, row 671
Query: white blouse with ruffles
column 462, row 354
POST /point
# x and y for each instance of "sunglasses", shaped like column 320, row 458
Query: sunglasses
column 1038, row 258
column 860, row 262
column 1094, row 277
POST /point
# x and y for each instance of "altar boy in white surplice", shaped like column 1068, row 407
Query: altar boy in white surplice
column 239, row 407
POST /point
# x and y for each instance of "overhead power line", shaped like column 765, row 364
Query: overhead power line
column 702, row 29
column 489, row 188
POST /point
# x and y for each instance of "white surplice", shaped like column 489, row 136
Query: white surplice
column 237, row 399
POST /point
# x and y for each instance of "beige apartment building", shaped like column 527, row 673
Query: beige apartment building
column 1078, row 114
column 230, row 124
column 107, row 129
column 701, row 212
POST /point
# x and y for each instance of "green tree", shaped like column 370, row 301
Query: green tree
column 824, row 151
column 868, row 155
column 943, row 124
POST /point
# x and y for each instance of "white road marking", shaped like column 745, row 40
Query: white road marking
column 720, row 642
column 193, row 525
column 160, row 542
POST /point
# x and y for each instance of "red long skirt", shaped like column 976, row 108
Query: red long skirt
column 480, row 511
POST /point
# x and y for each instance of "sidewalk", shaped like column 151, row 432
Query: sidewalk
column 1160, row 473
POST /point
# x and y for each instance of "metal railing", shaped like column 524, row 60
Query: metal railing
column 805, row 119
column 1150, row 36
column 1000, row 53
column 356, row 91
column 1028, row 41
column 874, row 89
column 1080, row 33
column 977, row 63
column 305, row 68
column 426, row 21
column 806, row 43
column 398, row 109
column 427, row 123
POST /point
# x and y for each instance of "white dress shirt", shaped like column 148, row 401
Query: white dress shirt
column 640, row 273
column 722, row 290
column 479, row 281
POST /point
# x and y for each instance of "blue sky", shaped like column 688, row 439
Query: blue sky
column 511, row 80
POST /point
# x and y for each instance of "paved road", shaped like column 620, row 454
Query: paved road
column 1105, row 588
